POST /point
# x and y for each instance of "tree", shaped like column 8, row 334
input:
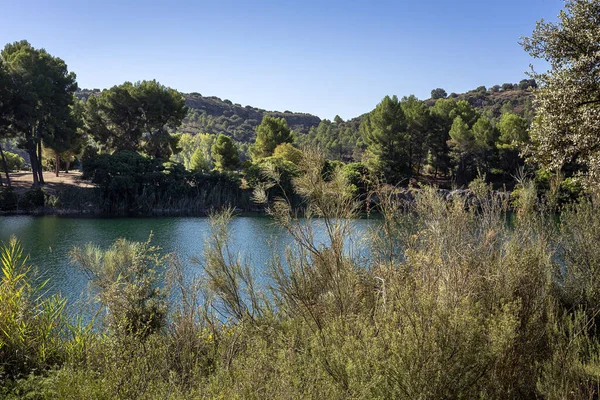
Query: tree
column 288, row 152
column 384, row 131
column 566, row 128
column 416, row 114
column 136, row 117
column 438, row 93
column 269, row 134
column 44, row 91
column 67, row 138
column 437, row 142
column 464, row 110
column 6, row 114
column 462, row 143
column 513, row 130
column 513, row 138
column 198, row 162
column 189, row 144
column 14, row 161
column 225, row 153
column 485, row 135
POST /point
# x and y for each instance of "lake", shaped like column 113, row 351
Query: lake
column 49, row 239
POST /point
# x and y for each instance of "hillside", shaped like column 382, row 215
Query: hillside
column 209, row 114
column 495, row 100
column 214, row 115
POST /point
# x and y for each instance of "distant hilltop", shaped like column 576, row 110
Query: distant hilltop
column 210, row 114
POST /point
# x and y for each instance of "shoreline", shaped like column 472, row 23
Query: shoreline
column 404, row 196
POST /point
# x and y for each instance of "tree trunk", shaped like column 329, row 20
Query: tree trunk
column 57, row 164
column 67, row 166
column 39, row 160
column 5, row 166
column 34, row 165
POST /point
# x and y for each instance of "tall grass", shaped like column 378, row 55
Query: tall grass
column 31, row 324
column 458, row 299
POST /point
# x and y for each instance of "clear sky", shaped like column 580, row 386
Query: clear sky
column 318, row 56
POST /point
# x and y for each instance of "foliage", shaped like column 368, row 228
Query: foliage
column 14, row 161
column 384, row 131
column 417, row 129
column 126, row 277
column 565, row 129
column 269, row 134
column 212, row 115
column 438, row 93
column 358, row 178
column 189, row 144
column 198, row 163
column 31, row 324
column 288, row 152
column 225, row 154
column 130, row 183
column 453, row 302
column 8, row 199
column 32, row 198
column 136, row 117
column 513, row 131
column 40, row 109
column 338, row 139
column 274, row 172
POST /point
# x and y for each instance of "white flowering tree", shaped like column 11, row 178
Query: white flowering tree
column 567, row 124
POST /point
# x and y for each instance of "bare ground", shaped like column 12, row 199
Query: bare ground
column 23, row 180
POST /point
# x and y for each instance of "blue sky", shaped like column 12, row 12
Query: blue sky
column 322, row 57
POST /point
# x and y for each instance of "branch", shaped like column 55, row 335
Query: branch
column 585, row 103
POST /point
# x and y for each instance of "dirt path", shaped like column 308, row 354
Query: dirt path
column 23, row 180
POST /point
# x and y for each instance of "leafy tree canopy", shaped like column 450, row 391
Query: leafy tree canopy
column 438, row 93
column 269, row 134
column 137, row 117
column 384, row 130
column 567, row 124
column 225, row 154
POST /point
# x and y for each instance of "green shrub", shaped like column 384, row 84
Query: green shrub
column 14, row 161
column 31, row 324
column 32, row 198
column 453, row 302
column 126, row 278
column 8, row 199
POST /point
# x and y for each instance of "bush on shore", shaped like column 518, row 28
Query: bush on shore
column 454, row 301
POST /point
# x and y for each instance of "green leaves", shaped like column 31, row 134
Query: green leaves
column 127, row 276
column 269, row 134
column 384, row 130
column 567, row 124
column 136, row 117
column 513, row 131
column 225, row 154
column 31, row 324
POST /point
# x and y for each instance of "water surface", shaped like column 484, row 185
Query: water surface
column 49, row 239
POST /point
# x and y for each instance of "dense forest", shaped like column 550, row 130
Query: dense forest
column 447, row 140
column 471, row 294
column 149, row 149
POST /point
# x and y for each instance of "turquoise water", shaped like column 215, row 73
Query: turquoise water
column 49, row 239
